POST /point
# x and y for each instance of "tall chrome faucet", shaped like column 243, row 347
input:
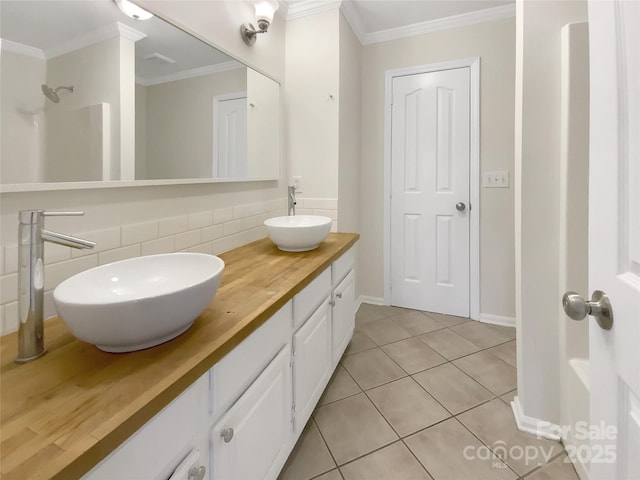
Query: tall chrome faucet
column 31, row 238
column 292, row 200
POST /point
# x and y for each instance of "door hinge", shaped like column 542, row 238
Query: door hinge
column 293, row 416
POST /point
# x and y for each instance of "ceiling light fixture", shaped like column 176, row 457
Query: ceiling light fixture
column 265, row 9
column 132, row 10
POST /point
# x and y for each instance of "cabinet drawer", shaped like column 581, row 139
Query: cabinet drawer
column 253, row 439
column 240, row 367
column 158, row 447
column 308, row 299
column 341, row 266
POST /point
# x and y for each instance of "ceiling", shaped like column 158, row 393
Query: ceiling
column 50, row 26
column 54, row 27
column 380, row 20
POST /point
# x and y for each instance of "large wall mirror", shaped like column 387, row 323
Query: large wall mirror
column 91, row 95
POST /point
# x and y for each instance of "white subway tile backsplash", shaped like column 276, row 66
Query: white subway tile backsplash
column 49, row 306
column 9, row 288
column 207, row 232
column 56, row 253
column 173, row 225
column 304, row 211
column 58, row 272
column 202, row 248
column 233, row 241
column 9, row 318
column 241, row 211
column 222, row 215
column 155, row 247
column 10, row 259
column 332, row 214
column 106, row 239
column 139, row 232
column 239, row 225
column 118, row 254
column 187, row 239
column 200, row 220
column 213, row 232
column 320, row 203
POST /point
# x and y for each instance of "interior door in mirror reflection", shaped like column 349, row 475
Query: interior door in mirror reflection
column 230, row 137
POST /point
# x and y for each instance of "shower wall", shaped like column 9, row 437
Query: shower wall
column 21, row 117
column 80, row 138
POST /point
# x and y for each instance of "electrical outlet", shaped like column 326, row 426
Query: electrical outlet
column 297, row 182
column 498, row 179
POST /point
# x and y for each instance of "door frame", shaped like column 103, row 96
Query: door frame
column 474, row 172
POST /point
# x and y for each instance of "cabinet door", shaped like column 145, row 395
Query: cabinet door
column 343, row 315
column 311, row 362
column 161, row 444
column 252, row 440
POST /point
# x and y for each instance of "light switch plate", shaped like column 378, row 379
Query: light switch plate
column 297, row 182
column 497, row 179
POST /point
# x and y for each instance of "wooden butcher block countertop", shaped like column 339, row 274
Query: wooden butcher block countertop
column 63, row 413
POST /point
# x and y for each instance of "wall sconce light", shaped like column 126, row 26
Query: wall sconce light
column 131, row 10
column 265, row 9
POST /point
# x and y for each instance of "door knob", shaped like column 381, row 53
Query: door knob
column 227, row 434
column 576, row 307
column 460, row 206
column 197, row 473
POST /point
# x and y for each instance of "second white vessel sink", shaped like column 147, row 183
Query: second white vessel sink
column 140, row 302
column 298, row 233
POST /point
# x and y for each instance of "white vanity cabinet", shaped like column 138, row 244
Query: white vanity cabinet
column 252, row 439
column 343, row 302
column 312, row 363
column 241, row 419
column 164, row 442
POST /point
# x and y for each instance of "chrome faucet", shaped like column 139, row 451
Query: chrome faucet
column 292, row 200
column 31, row 238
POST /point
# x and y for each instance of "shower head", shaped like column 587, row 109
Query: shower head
column 52, row 94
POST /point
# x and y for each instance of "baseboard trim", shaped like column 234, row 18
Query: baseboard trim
column 367, row 299
column 539, row 428
column 497, row 320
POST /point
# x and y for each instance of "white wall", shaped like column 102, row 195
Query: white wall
column 311, row 102
column 349, row 130
column 538, row 148
column 110, row 209
column 263, row 126
column 179, row 124
column 21, row 117
column 493, row 42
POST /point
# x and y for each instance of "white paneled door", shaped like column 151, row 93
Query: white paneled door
column 430, row 160
column 230, row 139
column 614, row 237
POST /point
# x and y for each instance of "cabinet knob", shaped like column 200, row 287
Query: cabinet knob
column 339, row 295
column 197, row 473
column 227, row 434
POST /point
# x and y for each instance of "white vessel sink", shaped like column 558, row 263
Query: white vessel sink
column 138, row 303
column 298, row 233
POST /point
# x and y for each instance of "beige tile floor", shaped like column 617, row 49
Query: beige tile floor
column 421, row 395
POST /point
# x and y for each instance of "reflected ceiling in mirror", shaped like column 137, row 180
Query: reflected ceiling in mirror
column 90, row 95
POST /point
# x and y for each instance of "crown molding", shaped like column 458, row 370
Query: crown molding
column 193, row 73
column 455, row 21
column 101, row 34
column 353, row 18
column 21, row 49
column 310, row 7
